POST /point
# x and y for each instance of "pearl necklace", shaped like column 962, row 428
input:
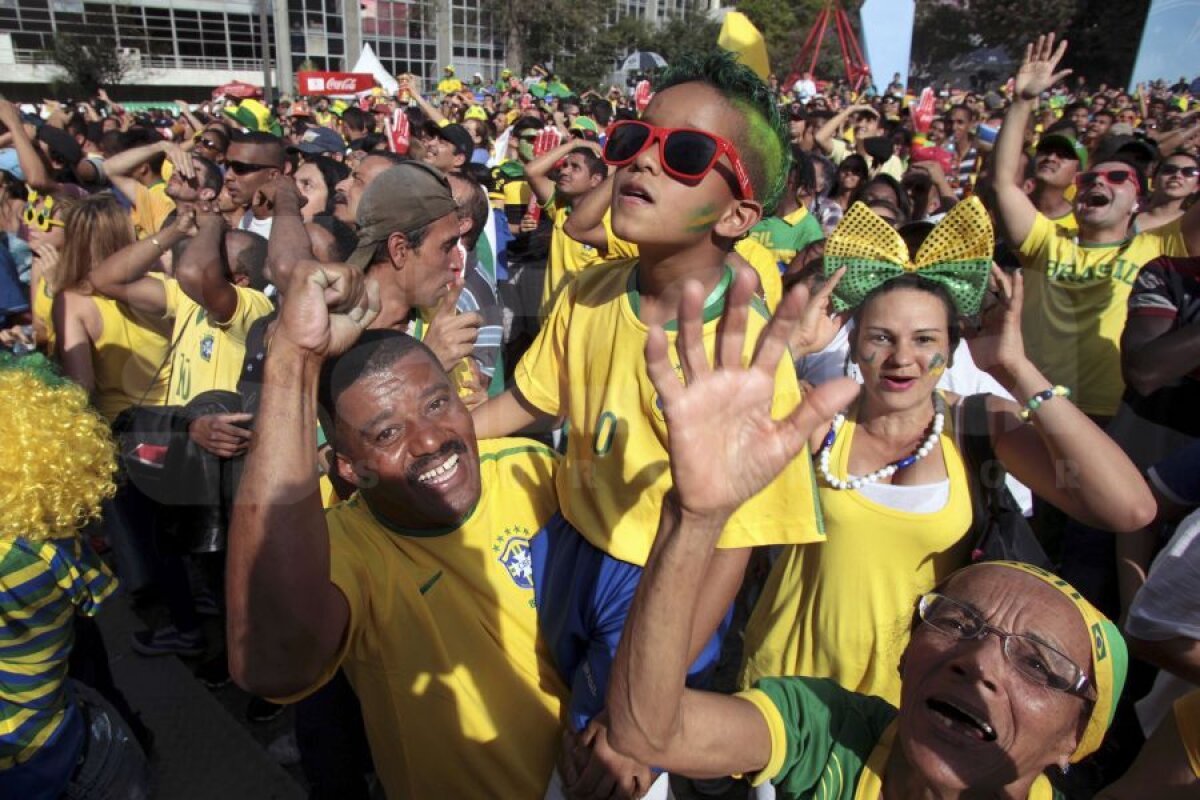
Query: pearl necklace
column 853, row 481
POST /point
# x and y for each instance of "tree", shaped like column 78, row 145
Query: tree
column 88, row 63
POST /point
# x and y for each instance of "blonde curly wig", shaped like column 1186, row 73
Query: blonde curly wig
column 57, row 459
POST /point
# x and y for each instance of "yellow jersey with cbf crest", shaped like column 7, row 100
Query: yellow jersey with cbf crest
column 460, row 696
column 588, row 363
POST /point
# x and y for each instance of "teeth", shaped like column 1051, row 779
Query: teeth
column 444, row 469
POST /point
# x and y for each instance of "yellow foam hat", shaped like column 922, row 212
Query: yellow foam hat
column 739, row 35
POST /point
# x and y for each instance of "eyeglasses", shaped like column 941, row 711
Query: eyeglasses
column 1167, row 170
column 41, row 217
column 209, row 143
column 1113, row 177
column 244, row 168
column 685, row 153
column 1036, row 661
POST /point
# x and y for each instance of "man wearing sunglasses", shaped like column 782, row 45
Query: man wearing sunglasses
column 253, row 161
column 1076, row 287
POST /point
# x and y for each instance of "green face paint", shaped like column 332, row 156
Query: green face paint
column 937, row 364
column 703, row 219
column 868, row 358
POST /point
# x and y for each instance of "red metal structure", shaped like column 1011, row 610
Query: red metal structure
column 852, row 57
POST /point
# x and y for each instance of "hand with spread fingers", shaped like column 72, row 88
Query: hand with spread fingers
column 713, row 477
column 997, row 344
column 1038, row 71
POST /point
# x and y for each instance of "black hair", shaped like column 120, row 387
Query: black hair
column 594, row 163
column 479, row 173
column 358, row 119
column 1106, row 112
column 763, row 140
column 213, row 175
column 267, row 141
column 601, row 111
column 803, row 175
column 527, row 123
column 373, row 353
column 902, row 200
column 251, row 257
column 332, row 173
column 344, row 237
column 476, row 208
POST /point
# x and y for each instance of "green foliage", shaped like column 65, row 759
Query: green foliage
column 87, row 64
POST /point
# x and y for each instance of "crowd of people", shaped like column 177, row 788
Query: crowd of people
column 535, row 443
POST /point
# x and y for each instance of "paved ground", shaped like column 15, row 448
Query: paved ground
column 203, row 749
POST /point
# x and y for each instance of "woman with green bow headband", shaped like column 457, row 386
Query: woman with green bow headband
column 892, row 481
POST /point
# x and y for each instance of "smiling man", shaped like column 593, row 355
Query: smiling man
column 419, row 586
column 1076, row 287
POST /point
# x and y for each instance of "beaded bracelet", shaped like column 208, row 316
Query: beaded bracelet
column 1036, row 401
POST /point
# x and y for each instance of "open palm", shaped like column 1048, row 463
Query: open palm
column 1037, row 71
column 723, row 443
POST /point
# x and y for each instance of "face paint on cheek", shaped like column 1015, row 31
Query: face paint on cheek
column 703, row 219
column 868, row 357
column 937, row 365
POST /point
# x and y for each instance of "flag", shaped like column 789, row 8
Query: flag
column 739, row 35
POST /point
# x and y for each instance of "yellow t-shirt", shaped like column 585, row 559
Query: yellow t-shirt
column 588, row 363
column 126, row 358
column 842, row 609
column 208, row 355
column 763, row 261
column 150, row 207
column 1075, row 299
column 568, row 257
column 42, row 307
column 460, row 696
column 893, row 166
column 448, row 85
column 1067, row 223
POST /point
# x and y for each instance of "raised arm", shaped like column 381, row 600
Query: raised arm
column 118, row 167
column 653, row 717
column 1037, row 74
column 123, row 275
column 833, row 126
column 585, row 224
column 29, row 156
column 201, row 270
column 1061, row 455
column 537, row 172
column 289, row 243
column 286, row 619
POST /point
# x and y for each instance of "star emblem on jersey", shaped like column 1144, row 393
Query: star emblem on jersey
column 206, row 347
column 512, row 551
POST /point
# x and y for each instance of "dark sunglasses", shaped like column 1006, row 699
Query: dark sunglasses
column 685, row 153
column 244, row 168
column 1166, row 170
column 1113, row 177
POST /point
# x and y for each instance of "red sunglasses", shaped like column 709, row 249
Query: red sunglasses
column 1113, row 177
column 687, row 154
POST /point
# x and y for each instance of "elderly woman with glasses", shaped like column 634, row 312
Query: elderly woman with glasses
column 1008, row 672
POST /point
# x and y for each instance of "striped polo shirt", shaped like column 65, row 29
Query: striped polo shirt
column 42, row 586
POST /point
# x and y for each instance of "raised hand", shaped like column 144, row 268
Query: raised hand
column 328, row 307
column 1037, row 72
column 816, row 327
column 997, row 346
column 714, row 474
column 451, row 336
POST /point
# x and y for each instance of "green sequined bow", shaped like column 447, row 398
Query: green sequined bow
column 957, row 254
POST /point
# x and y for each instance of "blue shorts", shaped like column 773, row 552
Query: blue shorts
column 583, row 597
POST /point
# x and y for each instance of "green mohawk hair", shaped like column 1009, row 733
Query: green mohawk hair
column 765, row 147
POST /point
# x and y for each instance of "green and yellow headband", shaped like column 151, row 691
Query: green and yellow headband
column 1110, row 659
column 957, row 254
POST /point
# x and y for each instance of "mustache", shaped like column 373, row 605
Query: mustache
column 339, row 198
column 445, row 451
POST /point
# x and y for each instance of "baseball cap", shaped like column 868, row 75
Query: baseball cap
column 300, row 109
column 318, row 139
column 458, row 136
column 1068, row 141
column 405, row 197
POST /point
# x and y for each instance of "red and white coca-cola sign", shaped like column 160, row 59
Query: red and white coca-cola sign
column 340, row 83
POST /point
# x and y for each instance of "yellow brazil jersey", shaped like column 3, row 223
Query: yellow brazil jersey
column 459, row 694
column 1067, row 223
column 588, row 363
column 126, row 358
column 208, row 355
column 569, row 257
column 766, row 267
column 461, row 375
column 1075, row 299
column 150, row 207
column 42, row 307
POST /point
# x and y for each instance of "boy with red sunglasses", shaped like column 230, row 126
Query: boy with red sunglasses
column 694, row 175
